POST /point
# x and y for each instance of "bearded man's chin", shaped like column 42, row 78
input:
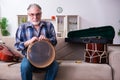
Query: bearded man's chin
column 35, row 23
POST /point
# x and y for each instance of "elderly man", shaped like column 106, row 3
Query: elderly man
column 27, row 33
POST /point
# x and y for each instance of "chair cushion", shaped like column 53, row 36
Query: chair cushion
column 68, row 70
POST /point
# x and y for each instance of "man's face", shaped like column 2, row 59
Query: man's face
column 34, row 15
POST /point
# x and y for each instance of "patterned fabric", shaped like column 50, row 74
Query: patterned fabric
column 26, row 31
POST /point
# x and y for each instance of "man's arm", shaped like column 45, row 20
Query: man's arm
column 19, row 37
column 52, row 34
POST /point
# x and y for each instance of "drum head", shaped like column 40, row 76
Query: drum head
column 41, row 54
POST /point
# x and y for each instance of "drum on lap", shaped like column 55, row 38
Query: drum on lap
column 41, row 53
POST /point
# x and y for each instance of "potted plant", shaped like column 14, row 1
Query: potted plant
column 3, row 26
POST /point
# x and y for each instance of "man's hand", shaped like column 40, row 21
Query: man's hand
column 28, row 42
column 42, row 37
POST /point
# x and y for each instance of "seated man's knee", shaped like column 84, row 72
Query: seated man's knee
column 25, row 64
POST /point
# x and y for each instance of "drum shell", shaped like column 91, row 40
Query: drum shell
column 96, row 53
column 41, row 62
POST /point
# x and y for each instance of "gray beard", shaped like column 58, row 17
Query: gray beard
column 36, row 23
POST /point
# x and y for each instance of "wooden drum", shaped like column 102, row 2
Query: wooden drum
column 41, row 54
column 96, row 53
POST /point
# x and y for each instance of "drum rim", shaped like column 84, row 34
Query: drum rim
column 50, row 60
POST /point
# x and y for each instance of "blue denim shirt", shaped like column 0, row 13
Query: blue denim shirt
column 26, row 31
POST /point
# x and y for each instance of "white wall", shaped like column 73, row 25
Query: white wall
column 0, row 8
column 93, row 13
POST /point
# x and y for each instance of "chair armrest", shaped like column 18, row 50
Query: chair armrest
column 114, row 61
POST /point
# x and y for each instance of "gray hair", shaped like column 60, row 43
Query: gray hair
column 34, row 4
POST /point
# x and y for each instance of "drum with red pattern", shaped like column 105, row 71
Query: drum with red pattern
column 96, row 53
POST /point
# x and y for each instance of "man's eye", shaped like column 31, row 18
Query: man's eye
column 32, row 14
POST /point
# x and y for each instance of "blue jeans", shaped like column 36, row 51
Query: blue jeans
column 27, row 68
